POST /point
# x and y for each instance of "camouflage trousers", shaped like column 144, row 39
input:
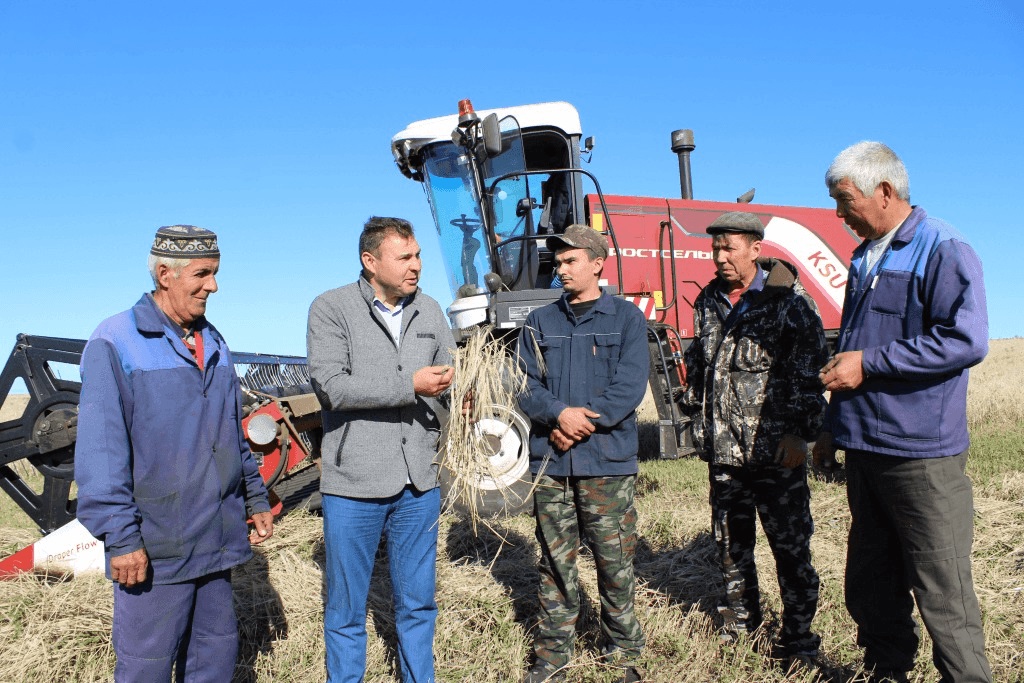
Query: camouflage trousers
column 602, row 509
column 781, row 499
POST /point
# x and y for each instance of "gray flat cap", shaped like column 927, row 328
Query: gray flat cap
column 578, row 236
column 737, row 221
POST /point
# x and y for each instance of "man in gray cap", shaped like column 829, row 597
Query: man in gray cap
column 586, row 362
column 755, row 400
column 164, row 473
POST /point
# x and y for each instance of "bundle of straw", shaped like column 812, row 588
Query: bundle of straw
column 489, row 380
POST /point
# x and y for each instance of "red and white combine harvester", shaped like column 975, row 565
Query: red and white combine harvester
column 498, row 182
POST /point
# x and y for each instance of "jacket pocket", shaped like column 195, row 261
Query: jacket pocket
column 552, row 349
column 909, row 410
column 161, row 525
column 748, row 377
column 341, row 444
column 607, row 349
column 751, row 356
column 890, row 292
column 618, row 444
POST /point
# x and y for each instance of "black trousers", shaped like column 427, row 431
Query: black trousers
column 780, row 497
column 911, row 535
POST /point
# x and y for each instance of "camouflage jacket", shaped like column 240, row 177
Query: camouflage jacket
column 753, row 378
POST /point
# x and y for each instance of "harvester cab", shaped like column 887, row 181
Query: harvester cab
column 498, row 184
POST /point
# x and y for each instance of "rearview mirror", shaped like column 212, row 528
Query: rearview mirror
column 491, row 134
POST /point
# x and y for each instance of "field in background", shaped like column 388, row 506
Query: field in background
column 52, row 630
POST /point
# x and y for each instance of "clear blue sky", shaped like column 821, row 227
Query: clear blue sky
column 271, row 122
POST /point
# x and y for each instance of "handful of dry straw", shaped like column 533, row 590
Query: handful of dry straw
column 487, row 371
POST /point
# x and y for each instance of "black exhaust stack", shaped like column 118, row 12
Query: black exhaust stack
column 682, row 145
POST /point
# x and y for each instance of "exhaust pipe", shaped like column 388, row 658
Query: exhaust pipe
column 682, row 145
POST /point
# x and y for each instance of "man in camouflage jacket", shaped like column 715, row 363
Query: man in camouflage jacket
column 755, row 400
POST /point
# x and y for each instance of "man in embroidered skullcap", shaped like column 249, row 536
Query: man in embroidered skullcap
column 165, row 476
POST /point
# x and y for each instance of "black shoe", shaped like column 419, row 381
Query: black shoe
column 729, row 634
column 541, row 673
column 888, row 676
column 781, row 653
column 796, row 663
column 630, row 674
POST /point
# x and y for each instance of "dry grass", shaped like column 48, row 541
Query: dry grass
column 994, row 395
column 486, row 375
column 13, row 406
column 486, row 585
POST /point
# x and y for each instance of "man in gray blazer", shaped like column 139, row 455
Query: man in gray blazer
column 380, row 355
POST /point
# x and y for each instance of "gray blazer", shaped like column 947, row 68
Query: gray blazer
column 377, row 431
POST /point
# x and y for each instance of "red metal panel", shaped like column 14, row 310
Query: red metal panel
column 814, row 240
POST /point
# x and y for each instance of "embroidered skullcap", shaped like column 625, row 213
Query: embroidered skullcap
column 185, row 241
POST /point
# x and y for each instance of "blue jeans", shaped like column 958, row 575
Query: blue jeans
column 192, row 622
column 352, row 532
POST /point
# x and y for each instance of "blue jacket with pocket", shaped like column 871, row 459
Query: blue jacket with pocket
column 920, row 318
column 601, row 362
column 161, row 462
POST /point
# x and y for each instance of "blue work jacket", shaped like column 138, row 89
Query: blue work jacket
column 161, row 462
column 920, row 318
column 600, row 361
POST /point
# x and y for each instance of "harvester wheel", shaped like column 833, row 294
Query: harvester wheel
column 507, row 489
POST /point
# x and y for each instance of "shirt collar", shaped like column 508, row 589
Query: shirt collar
column 383, row 307
column 756, row 285
column 149, row 317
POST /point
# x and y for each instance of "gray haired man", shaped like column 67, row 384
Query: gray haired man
column 914, row 321
column 165, row 476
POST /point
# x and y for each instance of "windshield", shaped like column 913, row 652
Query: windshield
column 453, row 193
column 509, row 217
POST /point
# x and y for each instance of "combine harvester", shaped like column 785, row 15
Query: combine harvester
column 498, row 183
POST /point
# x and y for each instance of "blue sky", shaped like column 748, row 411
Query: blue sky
column 271, row 122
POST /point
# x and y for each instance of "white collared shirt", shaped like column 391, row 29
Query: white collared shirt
column 392, row 316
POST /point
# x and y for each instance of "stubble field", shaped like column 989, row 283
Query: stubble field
column 60, row 630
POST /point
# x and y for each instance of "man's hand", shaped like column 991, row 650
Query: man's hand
column 824, row 454
column 467, row 406
column 432, row 380
column 576, row 423
column 264, row 523
column 843, row 372
column 130, row 569
column 792, row 451
column 559, row 440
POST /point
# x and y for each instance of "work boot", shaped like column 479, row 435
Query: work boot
column 794, row 664
column 781, row 653
column 543, row 673
column 730, row 632
column 630, row 674
column 888, row 676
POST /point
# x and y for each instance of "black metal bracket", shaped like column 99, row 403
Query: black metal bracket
column 43, row 435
